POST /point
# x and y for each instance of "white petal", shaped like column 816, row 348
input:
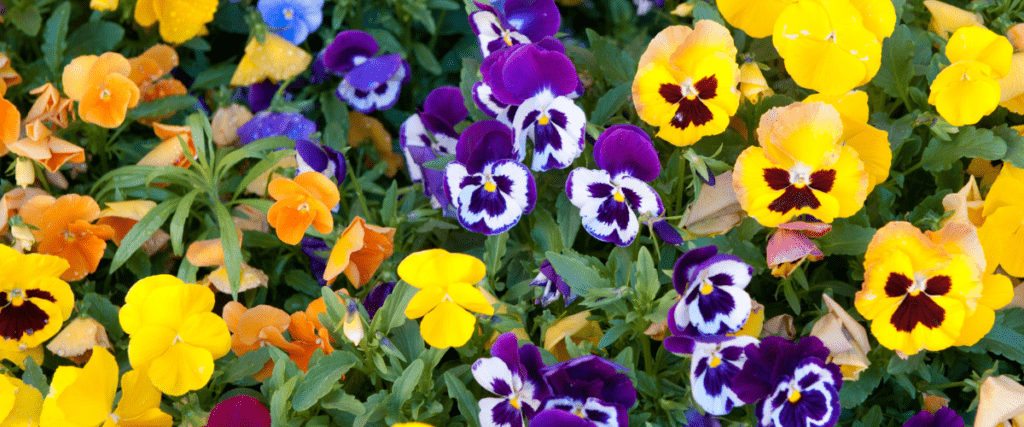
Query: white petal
column 490, row 371
column 739, row 271
column 650, row 202
column 578, row 185
column 454, row 173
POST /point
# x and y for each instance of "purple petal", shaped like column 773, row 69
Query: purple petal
column 374, row 72
column 563, row 288
column 267, row 124
column 369, row 87
column 695, row 419
column 944, row 417
column 686, row 263
column 482, row 143
column 375, row 299
column 550, row 43
column 260, row 95
column 534, row 18
column 446, row 103
column 496, row 412
column 349, row 49
column 557, row 418
column 506, row 348
column 529, row 69
column 627, row 149
column 667, row 232
column 772, row 359
column 485, row 100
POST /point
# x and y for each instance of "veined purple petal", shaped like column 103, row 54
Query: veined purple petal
column 641, row 197
column 816, row 401
column 446, row 139
column 712, row 370
column 535, row 388
column 627, row 149
column 558, row 418
column 496, row 412
column 267, row 124
column 776, row 358
column 550, row 43
column 312, row 156
column 483, row 143
column 486, row 101
column 349, row 49
column 556, row 126
column 316, row 250
column 534, row 18
column 944, row 417
column 446, row 103
column 364, row 93
column 687, row 264
column 506, row 348
column 528, row 69
column 695, row 419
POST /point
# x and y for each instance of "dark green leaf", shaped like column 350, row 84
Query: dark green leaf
column 337, row 399
column 898, row 365
column 55, row 35
column 246, row 365
column 26, row 17
column 214, row 77
column 142, row 231
column 616, row 65
column 467, row 403
column 162, row 106
column 34, row 376
column 569, row 219
column 1014, row 145
column 610, row 103
column 647, row 283
column 94, row 38
column 321, row 378
column 897, row 66
column 854, row 393
column 495, row 250
column 232, row 250
column 439, row 163
column 105, row 312
column 181, row 214
column 405, row 384
column 389, row 206
column 705, row 10
column 426, row 58
column 578, row 275
column 969, row 142
column 846, row 239
column 262, row 167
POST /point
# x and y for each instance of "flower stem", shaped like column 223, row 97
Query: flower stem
column 943, row 386
column 359, row 192
column 648, row 359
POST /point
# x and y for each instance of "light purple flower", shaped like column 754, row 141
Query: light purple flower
column 714, row 301
column 267, row 124
column 488, row 187
column 553, row 285
column 588, row 388
column 518, row 21
column 608, row 197
column 369, row 83
column 513, row 373
column 292, row 19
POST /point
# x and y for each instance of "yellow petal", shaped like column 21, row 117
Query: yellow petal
column 207, row 331
column 90, row 398
column 879, row 16
column 448, row 325
column 754, row 17
column 976, row 326
column 982, row 45
column 139, row 396
column 145, row 14
column 946, row 18
column 148, row 343
column 949, row 92
column 470, row 298
column 663, row 44
column 424, row 301
column 28, row 403
column 181, row 369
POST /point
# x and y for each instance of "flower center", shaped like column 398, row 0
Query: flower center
column 104, row 94
column 618, row 195
column 920, row 282
column 794, row 396
column 17, row 297
column 831, row 37
column 177, row 339
column 688, row 90
column 578, row 411
column 288, row 13
column 505, row 36
column 68, row 236
column 543, row 119
column 514, row 402
column 800, row 175
column 489, row 183
column 707, row 288
column 304, row 207
column 715, row 361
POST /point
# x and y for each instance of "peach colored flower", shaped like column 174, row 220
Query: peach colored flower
column 51, row 106
column 359, row 252
column 11, row 203
column 257, row 327
column 122, row 216
column 41, row 145
column 306, row 200
column 64, row 228
column 102, row 88
column 225, row 124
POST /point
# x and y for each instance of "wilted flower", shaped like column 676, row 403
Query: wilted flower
column 514, row 373
column 276, row 59
column 76, row 340
column 577, row 328
column 63, row 228
column 102, row 88
column 1000, row 399
column 12, row 201
column 41, row 145
column 609, row 198
column 359, row 252
column 488, row 187
column 979, row 59
column 306, row 200
column 686, row 82
column 239, row 411
column 713, row 302
column 588, row 389
column 369, row 83
column 50, row 106
column 517, row 22
column 8, row 76
column 553, row 286
column 446, row 284
column 226, row 123
column 122, row 217
column 790, row 246
column 780, row 326
column 34, row 302
column 943, row 417
column 947, row 18
column 292, row 20
column 716, row 210
column 753, row 86
column 846, row 340
column 180, row 20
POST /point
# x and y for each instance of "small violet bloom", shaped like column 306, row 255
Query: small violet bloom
column 489, row 188
column 792, row 383
column 588, row 389
column 944, row 417
column 513, row 373
column 667, row 232
column 430, row 134
column 695, row 419
column 714, row 301
column 518, row 21
column 316, row 250
column 375, row 299
column 267, row 124
column 368, row 83
column 541, row 83
column 293, row 20
column 312, row 156
column 554, row 286
column 645, row 6
column 608, row 197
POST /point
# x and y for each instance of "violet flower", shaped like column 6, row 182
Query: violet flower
column 432, row 128
column 714, row 302
column 268, row 124
column 488, row 187
column 587, row 388
column 667, row 232
column 292, row 19
column 695, row 419
column 518, row 21
column 944, row 417
column 311, row 156
column 316, row 250
column 541, row 83
column 554, row 286
column 712, row 369
column 607, row 197
column 792, row 383
column 375, row 299
column 369, row 83
column 260, row 95
column 239, row 411
column 645, row 6
column 513, row 373
column 490, row 105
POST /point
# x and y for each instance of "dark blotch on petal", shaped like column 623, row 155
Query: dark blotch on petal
column 917, row 309
column 671, row 93
column 707, row 87
column 938, row 286
column 795, row 198
column 823, row 180
column 16, row 321
column 41, row 294
column 691, row 112
column 897, row 284
column 776, row 178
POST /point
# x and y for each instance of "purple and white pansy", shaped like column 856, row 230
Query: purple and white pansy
column 312, row 156
column 433, row 128
column 540, row 81
column 518, row 21
column 369, row 83
column 553, row 285
column 513, row 373
column 488, row 187
column 608, row 197
column 587, row 388
column 712, row 369
column 268, row 124
column 714, row 301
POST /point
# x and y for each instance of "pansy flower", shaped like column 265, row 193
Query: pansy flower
column 712, row 369
column 292, row 20
column 916, row 295
column 180, row 20
column 518, row 21
column 947, row 18
column 254, row 328
column 276, row 59
column 173, row 335
column 1001, row 232
column 800, row 168
column 871, row 144
column 170, row 152
column 686, row 82
column 20, row 403
column 431, row 132
column 541, row 83
column 608, row 197
column 34, row 301
column 713, row 302
column 308, row 334
column 359, row 252
column 488, row 187
column 267, row 124
column 979, row 59
column 41, row 145
column 239, row 411
column 553, row 286
column 306, row 200
column 315, row 157
column 485, row 99
column 943, row 417
column 63, row 227
column 791, row 382
column 363, row 128
column 1000, row 403
column 791, row 245
column 102, row 87
column 369, row 83
column 226, row 122
column 75, row 342
column 447, row 289
column 514, row 373
column 587, row 388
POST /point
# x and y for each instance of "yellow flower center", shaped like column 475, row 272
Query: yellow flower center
column 831, row 37
column 490, row 186
column 304, row 207
column 68, row 236
column 715, row 361
column 689, row 91
column 288, row 13
column 579, row 412
column 508, row 40
column 514, row 402
column 177, row 339
column 618, row 196
column 706, row 289
column 17, row 298
column 544, row 119
column 794, row 396
column 104, row 94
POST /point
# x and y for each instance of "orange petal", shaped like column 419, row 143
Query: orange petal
column 320, row 187
column 76, row 76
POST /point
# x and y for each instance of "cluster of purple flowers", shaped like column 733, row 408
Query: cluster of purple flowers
column 792, row 383
column 587, row 391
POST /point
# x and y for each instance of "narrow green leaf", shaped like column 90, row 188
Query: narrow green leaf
column 142, row 231
column 610, row 103
column 246, row 365
column 262, row 167
column 569, row 219
column 335, row 309
column 392, row 314
column 389, row 206
column 495, row 247
column 337, row 399
column 232, row 251
column 467, row 403
column 426, row 58
column 279, row 401
column 613, row 334
column 55, row 35
column 178, row 220
column 321, row 378
column 439, row 163
column 469, row 76
column 253, row 150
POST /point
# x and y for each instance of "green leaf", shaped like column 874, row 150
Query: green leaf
column 26, row 17
column 855, row 393
column 389, row 206
column 405, row 384
column 439, row 163
column 613, row 334
column 262, row 167
column 94, row 38
column 467, row 78
column 579, row 276
column 426, row 58
column 569, row 219
column 162, row 106
column 55, row 35
column 1014, row 145
column 546, row 232
column 495, row 250
column 335, row 308
column 105, row 312
column 392, row 314
column 969, row 142
column 610, row 103
column 898, row 365
column 1004, row 341
column 253, row 150
column 337, row 399
column 181, row 214
column 467, row 403
column 846, row 239
column 279, row 401
column 142, row 231
column 704, row 10
column 232, row 250
column 215, row 76
column 321, row 378
column 897, row 63
column 646, row 283
column 616, row 65
column 34, row 376
column 246, row 365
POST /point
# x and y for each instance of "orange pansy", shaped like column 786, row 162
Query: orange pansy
column 10, row 124
column 41, row 145
column 365, row 128
column 8, row 77
column 257, row 327
column 308, row 334
column 169, row 152
column 102, row 88
column 122, row 216
column 64, row 228
column 306, row 200
column 359, row 252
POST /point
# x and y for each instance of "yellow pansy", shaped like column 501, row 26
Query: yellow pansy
column 754, row 17
column 916, row 294
column 872, row 144
column 180, row 20
column 686, row 82
column 1002, row 235
column 969, row 89
column 276, row 59
column 446, row 284
column 826, row 47
column 752, row 82
column 173, row 334
column 800, row 167
column 34, row 301
column 20, row 403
